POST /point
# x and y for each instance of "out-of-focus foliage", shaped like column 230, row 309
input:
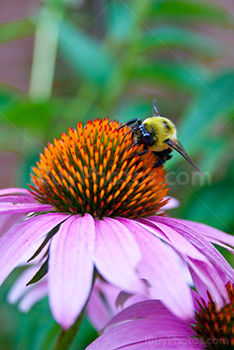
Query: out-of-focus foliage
column 101, row 58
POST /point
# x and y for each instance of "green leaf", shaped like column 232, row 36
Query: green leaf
column 184, row 76
column 15, row 30
column 86, row 56
column 39, row 274
column 169, row 37
column 49, row 235
column 190, row 11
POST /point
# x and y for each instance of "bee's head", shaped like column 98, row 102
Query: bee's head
column 159, row 133
column 146, row 135
column 163, row 129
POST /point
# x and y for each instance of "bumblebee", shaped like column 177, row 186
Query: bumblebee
column 157, row 134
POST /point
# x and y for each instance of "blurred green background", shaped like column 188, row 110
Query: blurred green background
column 64, row 61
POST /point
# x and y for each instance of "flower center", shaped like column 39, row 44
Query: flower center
column 216, row 327
column 91, row 170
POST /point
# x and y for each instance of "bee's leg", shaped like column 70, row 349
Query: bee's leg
column 132, row 121
column 134, row 133
column 127, row 134
column 134, row 144
column 163, row 157
column 160, row 162
column 138, row 154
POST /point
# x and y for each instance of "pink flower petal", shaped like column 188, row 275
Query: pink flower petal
column 142, row 334
column 9, row 221
column 213, row 234
column 163, row 271
column 206, row 277
column 124, row 299
column 224, row 245
column 200, row 242
column 200, row 264
column 38, row 292
column 117, row 255
column 15, row 243
column 14, row 190
column 171, row 204
column 176, row 241
column 19, row 288
column 101, row 306
column 106, row 301
column 143, row 309
column 146, row 325
column 18, row 199
column 71, row 268
column 97, row 311
column 29, row 295
column 10, row 208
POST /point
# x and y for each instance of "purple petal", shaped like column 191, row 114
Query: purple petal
column 206, row 277
column 146, row 325
column 153, row 343
column 163, row 270
column 17, row 242
column 9, row 221
column 143, row 309
column 124, row 299
column 213, row 234
column 106, row 301
column 97, row 311
column 225, row 246
column 10, row 208
column 101, row 306
column 38, row 292
column 14, row 190
column 199, row 264
column 117, row 255
column 18, row 199
column 71, row 268
column 177, row 242
column 199, row 241
column 19, row 288
column 29, row 295
column 171, row 204
column 143, row 334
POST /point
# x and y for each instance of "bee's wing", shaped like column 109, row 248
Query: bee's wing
column 180, row 149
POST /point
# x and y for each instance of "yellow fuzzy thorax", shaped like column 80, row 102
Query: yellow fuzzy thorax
column 163, row 129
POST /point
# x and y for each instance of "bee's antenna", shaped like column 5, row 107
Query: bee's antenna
column 156, row 109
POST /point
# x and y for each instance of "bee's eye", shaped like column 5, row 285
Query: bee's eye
column 148, row 139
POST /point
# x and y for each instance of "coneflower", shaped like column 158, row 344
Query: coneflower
column 97, row 206
column 150, row 325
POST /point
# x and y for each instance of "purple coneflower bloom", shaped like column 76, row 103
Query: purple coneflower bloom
column 149, row 325
column 96, row 205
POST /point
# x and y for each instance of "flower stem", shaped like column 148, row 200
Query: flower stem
column 66, row 338
column 45, row 49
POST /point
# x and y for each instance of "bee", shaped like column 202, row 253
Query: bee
column 157, row 134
